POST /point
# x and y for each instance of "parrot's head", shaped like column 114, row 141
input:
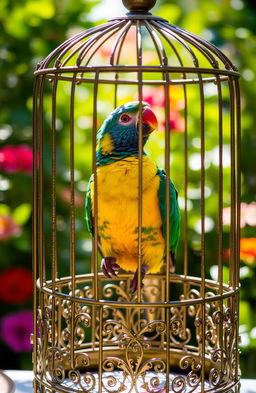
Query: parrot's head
column 119, row 134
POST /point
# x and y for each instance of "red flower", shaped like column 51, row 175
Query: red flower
column 15, row 285
column 8, row 228
column 16, row 158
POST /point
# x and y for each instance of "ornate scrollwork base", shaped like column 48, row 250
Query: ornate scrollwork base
column 118, row 345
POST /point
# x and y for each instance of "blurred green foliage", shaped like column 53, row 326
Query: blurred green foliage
column 30, row 30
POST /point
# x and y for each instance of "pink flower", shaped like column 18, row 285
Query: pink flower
column 128, row 52
column 155, row 97
column 16, row 329
column 8, row 227
column 177, row 123
column 248, row 214
column 66, row 197
column 16, row 158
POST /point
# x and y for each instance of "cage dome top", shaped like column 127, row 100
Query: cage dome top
column 140, row 40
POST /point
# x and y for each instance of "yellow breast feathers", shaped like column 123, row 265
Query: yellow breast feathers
column 118, row 213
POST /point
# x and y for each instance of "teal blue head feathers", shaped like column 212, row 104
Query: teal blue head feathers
column 119, row 134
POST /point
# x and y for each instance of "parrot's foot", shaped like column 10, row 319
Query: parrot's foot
column 108, row 267
column 172, row 267
column 134, row 283
column 172, row 264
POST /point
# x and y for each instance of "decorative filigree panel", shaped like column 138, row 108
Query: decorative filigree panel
column 131, row 343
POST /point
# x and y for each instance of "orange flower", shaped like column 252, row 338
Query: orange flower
column 248, row 249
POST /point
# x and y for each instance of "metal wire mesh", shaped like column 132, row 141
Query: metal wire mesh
column 180, row 332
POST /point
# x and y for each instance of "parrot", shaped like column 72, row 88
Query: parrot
column 117, row 168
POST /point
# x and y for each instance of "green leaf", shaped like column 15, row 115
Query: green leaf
column 4, row 210
column 22, row 213
column 35, row 7
column 245, row 314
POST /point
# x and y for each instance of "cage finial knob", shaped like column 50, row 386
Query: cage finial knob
column 139, row 6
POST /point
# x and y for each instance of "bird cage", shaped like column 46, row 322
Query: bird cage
column 179, row 332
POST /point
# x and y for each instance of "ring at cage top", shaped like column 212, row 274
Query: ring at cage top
column 134, row 289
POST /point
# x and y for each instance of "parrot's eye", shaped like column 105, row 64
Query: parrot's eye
column 125, row 118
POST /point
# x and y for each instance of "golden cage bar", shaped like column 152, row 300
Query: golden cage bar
column 180, row 332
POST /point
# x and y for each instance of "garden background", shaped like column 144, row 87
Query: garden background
column 30, row 30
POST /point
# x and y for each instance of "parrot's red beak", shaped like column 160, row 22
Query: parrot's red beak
column 149, row 120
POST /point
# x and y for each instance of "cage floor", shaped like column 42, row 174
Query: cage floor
column 153, row 382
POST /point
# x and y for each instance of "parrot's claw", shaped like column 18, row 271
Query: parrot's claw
column 134, row 282
column 108, row 267
column 172, row 263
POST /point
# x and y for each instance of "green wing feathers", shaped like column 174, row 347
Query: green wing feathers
column 174, row 211
column 88, row 208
